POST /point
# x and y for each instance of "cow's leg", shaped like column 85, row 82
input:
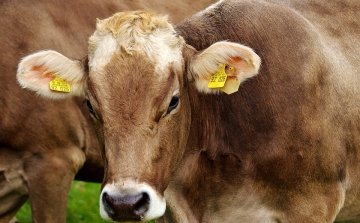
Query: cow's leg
column 8, row 217
column 49, row 179
column 13, row 186
column 14, row 220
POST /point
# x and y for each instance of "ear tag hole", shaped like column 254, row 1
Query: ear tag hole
column 229, row 70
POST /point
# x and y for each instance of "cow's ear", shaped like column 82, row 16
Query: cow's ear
column 237, row 61
column 51, row 74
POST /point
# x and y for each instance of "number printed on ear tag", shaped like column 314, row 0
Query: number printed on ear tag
column 60, row 85
column 219, row 79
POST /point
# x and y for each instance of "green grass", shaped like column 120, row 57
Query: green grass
column 83, row 205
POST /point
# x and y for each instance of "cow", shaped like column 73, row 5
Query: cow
column 247, row 111
column 43, row 144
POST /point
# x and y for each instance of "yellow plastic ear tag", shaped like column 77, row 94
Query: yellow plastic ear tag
column 219, row 79
column 232, row 85
column 59, row 84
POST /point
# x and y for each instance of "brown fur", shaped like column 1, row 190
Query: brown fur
column 286, row 142
column 288, row 130
column 127, row 116
column 42, row 145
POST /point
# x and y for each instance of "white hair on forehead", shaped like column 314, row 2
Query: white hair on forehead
column 139, row 31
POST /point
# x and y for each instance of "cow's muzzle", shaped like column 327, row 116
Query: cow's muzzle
column 130, row 201
column 128, row 208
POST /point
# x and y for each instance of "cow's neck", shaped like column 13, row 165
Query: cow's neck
column 210, row 152
column 214, row 126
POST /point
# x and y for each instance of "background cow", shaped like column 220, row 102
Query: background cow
column 284, row 148
column 44, row 143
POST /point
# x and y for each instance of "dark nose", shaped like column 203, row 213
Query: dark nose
column 127, row 208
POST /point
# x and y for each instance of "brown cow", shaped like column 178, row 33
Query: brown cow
column 44, row 143
column 284, row 148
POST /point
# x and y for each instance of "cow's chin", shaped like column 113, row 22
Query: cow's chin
column 130, row 201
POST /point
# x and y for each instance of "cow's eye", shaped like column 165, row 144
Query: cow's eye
column 173, row 104
column 91, row 109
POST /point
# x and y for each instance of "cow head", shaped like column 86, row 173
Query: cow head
column 136, row 87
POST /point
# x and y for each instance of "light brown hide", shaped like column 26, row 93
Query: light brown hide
column 137, row 120
column 282, row 149
column 44, row 143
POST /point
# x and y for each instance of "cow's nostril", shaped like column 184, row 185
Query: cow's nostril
column 142, row 205
column 108, row 203
column 126, row 208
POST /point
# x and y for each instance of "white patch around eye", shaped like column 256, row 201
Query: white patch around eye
column 105, row 49
column 176, row 93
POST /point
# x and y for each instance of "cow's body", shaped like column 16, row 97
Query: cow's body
column 284, row 148
column 42, row 145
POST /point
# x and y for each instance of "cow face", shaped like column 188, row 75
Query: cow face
column 137, row 97
column 136, row 88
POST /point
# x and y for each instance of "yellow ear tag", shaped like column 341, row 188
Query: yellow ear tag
column 59, row 84
column 232, row 85
column 219, row 79
column 232, row 82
